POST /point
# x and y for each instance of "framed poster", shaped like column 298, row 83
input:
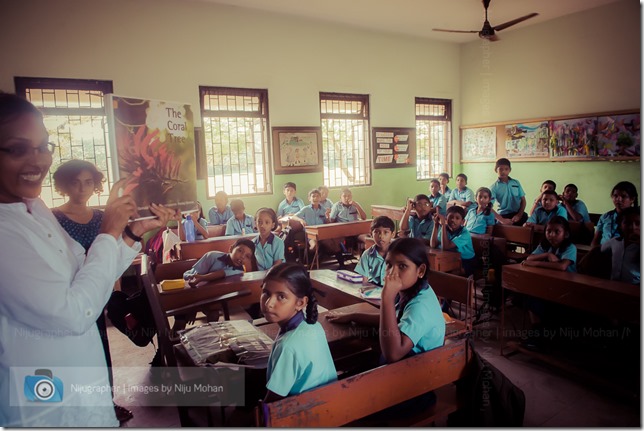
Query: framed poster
column 297, row 149
column 393, row 147
column 153, row 144
column 618, row 135
column 526, row 140
column 574, row 138
column 478, row 144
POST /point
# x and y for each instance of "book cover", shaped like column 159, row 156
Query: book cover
column 153, row 149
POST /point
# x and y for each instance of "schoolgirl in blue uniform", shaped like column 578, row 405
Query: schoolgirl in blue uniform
column 300, row 358
column 480, row 215
column 269, row 248
column 624, row 195
column 420, row 224
column 450, row 233
column 556, row 251
column 549, row 208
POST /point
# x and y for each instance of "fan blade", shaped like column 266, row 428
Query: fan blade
column 514, row 21
column 455, row 31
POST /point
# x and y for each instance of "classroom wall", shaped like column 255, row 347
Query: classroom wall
column 582, row 63
column 165, row 49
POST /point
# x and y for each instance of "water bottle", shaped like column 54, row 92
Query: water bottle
column 189, row 228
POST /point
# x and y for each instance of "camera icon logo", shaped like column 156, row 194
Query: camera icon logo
column 43, row 387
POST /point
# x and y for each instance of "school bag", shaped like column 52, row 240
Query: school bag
column 131, row 314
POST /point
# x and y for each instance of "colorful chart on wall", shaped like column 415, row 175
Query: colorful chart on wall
column 393, row 147
column 573, row 138
column 478, row 144
column 526, row 139
column 618, row 135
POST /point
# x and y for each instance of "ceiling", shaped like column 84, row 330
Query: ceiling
column 418, row 17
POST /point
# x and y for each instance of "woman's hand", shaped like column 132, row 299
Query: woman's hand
column 163, row 216
column 118, row 211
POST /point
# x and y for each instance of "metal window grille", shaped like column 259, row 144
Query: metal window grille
column 433, row 137
column 237, row 152
column 345, row 139
column 74, row 116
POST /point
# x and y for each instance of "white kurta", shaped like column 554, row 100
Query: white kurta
column 50, row 297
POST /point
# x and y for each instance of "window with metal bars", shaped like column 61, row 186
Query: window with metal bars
column 237, row 152
column 74, row 116
column 345, row 139
column 433, row 137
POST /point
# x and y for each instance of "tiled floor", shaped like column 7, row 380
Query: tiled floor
column 553, row 398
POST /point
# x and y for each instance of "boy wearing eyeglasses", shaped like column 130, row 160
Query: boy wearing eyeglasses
column 421, row 223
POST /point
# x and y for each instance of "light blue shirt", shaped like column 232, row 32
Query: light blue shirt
column 439, row 201
column 312, row 216
column 268, row 253
column 285, row 208
column 582, row 210
column 300, row 360
column 542, row 217
column 478, row 222
column 372, row 265
column 625, row 260
column 342, row 213
column 327, row 203
column 569, row 253
column 462, row 240
column 234, row 226
column 607, row 225
column 422, row 321
column 420, row 228
column 202, row 222
column 508, row 195
column 461, row 195
column 213, row 261
column 220, row 218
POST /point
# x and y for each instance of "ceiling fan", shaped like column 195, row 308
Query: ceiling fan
column 488, row 32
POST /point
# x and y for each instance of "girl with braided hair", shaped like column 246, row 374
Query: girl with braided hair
column 300, row 358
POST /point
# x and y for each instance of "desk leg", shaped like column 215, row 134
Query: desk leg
column 501, row 337
column 316, row 259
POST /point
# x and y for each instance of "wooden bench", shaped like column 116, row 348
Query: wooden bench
column 334, row 231
column 515, row 236
column 348, row 400
column 194, row 250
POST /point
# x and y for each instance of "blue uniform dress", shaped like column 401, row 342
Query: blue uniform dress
column 300, row 359
column 234, row 226
column 268, row 253
column 213, row 261
column 569, row 253
column 220, row 218
column 542, row 217
column 508, row 195
column 372, row 265
column 84, row 234
column 285, row 208
column 463, row 242
column 312, row 216
column 439, row 201
column 202, row 221
column 581, row 208
column 422, row 320
column 625, row 260
column 420, row 228
column 478, row 222
column 327, row 203
column 461, row 195
column 343, row 213
column 607, row 225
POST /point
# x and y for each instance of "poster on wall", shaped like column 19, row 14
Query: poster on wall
column 618, row 135
column 393, row 147
column 478, row 144
column 152, row 143
column 573, row 138
column 526, row 140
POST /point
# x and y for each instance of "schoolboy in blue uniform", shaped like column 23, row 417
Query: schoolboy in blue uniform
column 241, row 223
column 509, row 194
column 438, row 200
column 269, row 248
column 372, row 262
column 324, row 197
column 291, row 203
column 420, row 225
column 546, row 185
column 450, row 233
column 347, row 209
column 461, row 195
column 577, row 210
column 443, row 178
column 549, row 208
column 221, row 212
column 313, row 214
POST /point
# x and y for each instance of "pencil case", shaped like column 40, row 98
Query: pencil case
column 178, row 283
column 349, row 276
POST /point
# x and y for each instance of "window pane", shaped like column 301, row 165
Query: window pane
column 433, row 137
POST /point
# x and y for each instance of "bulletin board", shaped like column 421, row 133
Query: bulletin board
column 393, row 147
column 584, row 137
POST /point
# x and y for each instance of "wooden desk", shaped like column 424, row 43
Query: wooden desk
column 393, row 212
column 339, row 293
column 439, row 260
column 194, row 250
column 333, row 231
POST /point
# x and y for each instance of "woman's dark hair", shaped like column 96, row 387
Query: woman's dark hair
column 67, row 172
column 488, row 208
column 545, row 244
column 415, row 250
column 271, row 213
column 629, row 188
column 297, row 279
column 13, row 106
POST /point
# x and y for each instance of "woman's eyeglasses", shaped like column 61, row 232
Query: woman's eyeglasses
column 18, row 152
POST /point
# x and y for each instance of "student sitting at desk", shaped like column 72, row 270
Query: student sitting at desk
column 347, row 209
column 461, row 195
column 549, row 208
column 324, row 197
column 450, row 234
column 269, row 248
column 625, row 250
column 509, row 194
column 624, row 195
column 555, row 251
column 546, row 185
column 300, row 358
column 436, row 198
column 480, row 215
column 240, row 224
column 421, row 223
column 313, row 214
column 291, row 203
column 372, row 262
column 221, row 212
column 576, row 209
